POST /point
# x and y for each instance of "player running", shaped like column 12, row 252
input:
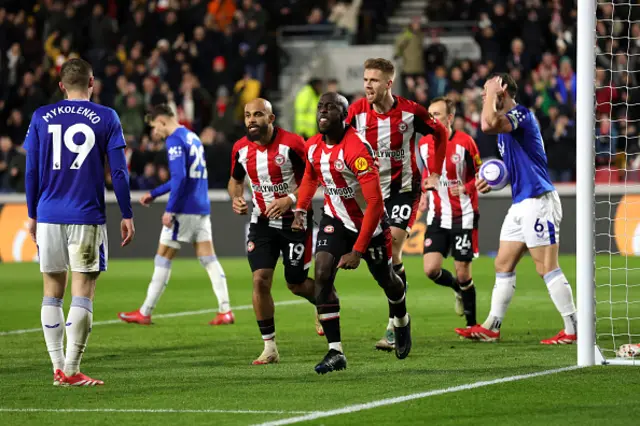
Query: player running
column 390, row 123
column 453, row 211
column 353, row 225
column 533, row 221
column 66, row 146
column 186, row 218
column 273, row 161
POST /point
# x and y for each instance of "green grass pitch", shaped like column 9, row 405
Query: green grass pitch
column 180, row 363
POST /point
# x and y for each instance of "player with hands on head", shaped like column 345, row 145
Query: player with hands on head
column 353, row 225
column 533, row 221
column 272, row 161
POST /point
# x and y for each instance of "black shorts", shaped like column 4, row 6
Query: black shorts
column 462, row 243
column 265, row 244
column 334, row 238
column 402, row 208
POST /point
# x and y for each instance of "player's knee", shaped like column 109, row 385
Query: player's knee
column 503, row 265
column 262, row 282
column 463, row 271
column 324, row 273
column 432, row 271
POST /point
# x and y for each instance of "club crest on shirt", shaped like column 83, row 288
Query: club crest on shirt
column 403, row 127
column 329, row 229
column 427, row 242
column 279, row 159
column 455, row 158
column 361, row 164
column 250, row 246
column 339, row 165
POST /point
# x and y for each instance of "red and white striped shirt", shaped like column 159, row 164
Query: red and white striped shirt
column 274, row 171
column 461, row 164
column 341, row 169
column 393, row 136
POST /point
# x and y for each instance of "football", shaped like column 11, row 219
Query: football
column 494, row 171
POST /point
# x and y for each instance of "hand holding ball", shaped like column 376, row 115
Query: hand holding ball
column 494, row 172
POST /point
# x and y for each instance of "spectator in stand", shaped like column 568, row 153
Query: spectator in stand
column 436, row 54
column 7, row 152
column 306, row 105
column 560, row 146
column 408, row 47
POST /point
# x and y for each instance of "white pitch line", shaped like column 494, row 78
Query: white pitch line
column 390, row 401
column 142, row 410
column 171, row 315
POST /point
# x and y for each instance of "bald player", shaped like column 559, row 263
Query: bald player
column 272, row 161
column 186, row 218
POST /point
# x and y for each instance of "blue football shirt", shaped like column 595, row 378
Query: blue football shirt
column 523, row 152
column 67, row 143
column 189, row 185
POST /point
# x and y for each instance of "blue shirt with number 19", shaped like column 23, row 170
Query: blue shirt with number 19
column 67, row 144
column 188, row 184
column 522, row 151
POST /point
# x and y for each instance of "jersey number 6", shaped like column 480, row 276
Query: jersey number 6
column 82, row 150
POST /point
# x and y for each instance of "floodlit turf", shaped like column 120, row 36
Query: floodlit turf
column 181, row 363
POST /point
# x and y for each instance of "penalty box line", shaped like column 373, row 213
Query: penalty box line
column 171, row 315
column 397, row 400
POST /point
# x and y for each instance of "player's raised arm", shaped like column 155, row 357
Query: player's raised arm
column 120, row 178
column 235, row 186
column 362, row 164
column 32, row 174
column 493, row 119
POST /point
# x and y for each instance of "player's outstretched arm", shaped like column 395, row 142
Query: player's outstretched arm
column 156, row 192
column 32, row 175
column 492, row 121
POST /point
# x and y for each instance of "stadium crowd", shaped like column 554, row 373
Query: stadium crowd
column 142, row 55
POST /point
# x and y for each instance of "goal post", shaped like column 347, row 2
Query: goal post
column 585, row 168
column 608, row 213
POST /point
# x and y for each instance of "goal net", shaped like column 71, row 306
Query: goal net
column 616, row 125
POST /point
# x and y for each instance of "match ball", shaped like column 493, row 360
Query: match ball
column 494, row 171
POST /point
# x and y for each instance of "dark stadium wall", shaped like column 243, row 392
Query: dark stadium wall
column 230, row 230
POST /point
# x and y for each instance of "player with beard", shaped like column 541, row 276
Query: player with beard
column 390, row 123
column 353, row 225
column 272, row 160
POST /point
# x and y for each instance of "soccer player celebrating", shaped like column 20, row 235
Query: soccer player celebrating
column 353, row 225
column 66, row 146
column 186, row 218
column 273, row 160
column 453, row 211
column 533, row 221
column 389, row 123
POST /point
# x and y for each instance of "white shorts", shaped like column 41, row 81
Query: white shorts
column 84, row 248
column 534, row 221
column 187, row 228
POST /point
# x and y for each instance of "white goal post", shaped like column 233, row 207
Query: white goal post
column 608, row 298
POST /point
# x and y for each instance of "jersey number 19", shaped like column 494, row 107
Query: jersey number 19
column 82, row 149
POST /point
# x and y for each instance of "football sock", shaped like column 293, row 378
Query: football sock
column 468, row 293
column 562, row 296
column 500, row 298
column 52, row 318
column 218, row 281
column 329, row 316
column 399, row 309
column 268, row 330
column 159, row 281
column 399, row 270
column 78, row 327
column 446, row 279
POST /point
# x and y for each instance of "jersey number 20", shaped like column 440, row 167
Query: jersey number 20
column 82, row 150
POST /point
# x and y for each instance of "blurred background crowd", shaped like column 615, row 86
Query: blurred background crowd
column 207, row 58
